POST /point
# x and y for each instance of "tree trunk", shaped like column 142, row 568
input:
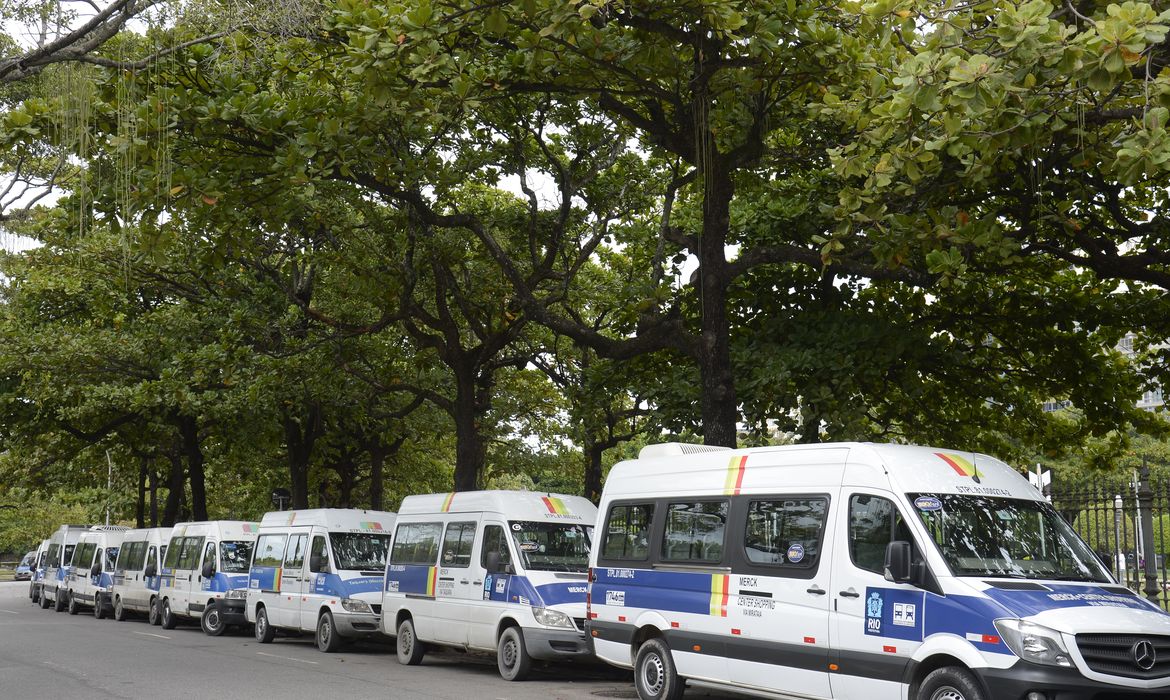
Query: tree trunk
column 720, row 411
column 377, row 452
column 140, row 504
column 300, row 439
column 593, row 451
column 469, row 448
column 192, row 450
column 153, row 493
column 175, row 483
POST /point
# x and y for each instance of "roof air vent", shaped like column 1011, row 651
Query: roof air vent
column 677, row 449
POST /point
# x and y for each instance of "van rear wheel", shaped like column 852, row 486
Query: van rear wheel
column 328, row 640
column 654, row 674
column 512, row 657
column 264, row 632
column 119, row 609
column 212, row 622
column 410, row 649
column 166, row 617
column 58, row 601
column 73, row 609
column 950, row 683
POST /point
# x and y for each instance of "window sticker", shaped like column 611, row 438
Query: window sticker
column 796, row 553
column 927, row 504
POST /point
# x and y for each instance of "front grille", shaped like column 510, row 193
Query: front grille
column 1113, row 654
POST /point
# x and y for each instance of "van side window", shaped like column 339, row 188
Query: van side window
column 694, row 531
column 294, row 558
column 171, row 556
column 627, row 531
column 457, row 543
column 319, row 552
column 416, row 543
column 785, row 532
column 189, row 553
column 151, row 558
column 495, row 540
column 269, row 550
column 209, row 553
column 873, row 523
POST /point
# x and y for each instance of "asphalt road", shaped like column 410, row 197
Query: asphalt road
column 44, row 654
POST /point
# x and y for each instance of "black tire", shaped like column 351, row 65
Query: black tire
column 950, row 683
column 166, row 616
column 73, row 609
column 32, row 593
column 152, row 614
column 655, row 676
column 119, row 609
column 264, row 631
column 99, row 607
column 511, row 656
column 212, row 621
column 58, row 601
column 42, row 600
column 328, row 640
column 410, row 649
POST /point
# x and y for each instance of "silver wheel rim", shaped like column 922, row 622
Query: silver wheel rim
column 261, row 624
column 508, row 653
column 213, row 620
column 324, row 630
column 118, row 610
column 947, row 693
column 654, row 674
column 405, row 640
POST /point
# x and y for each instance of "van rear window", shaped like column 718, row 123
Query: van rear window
column 627, row 532
column 269, row 550
column 694, row 531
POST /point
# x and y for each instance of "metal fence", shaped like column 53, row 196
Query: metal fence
column 1127, row 522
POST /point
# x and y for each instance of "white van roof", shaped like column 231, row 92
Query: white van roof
column 333, row 519
column 109, row 534
column 513, row 505
column 231, row 529
column 146, row 534
column 905, row 468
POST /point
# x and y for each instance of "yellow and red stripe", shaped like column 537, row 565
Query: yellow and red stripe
column 447, row 502
column 719, row 595
column 432, row 579
column 276, row 579
column 735, row 470
column 555, row 505
column 961, row 465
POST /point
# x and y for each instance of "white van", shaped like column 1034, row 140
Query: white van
column 38, row 572
column 57, row 560
column 499, row 571
column 319, row 571
column 859, row 571
column 205, row 574
column 137, row 573
column 92, row 568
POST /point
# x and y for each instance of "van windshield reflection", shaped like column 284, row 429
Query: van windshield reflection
column 359, row 551
column 1006, row 537
column 552, row 546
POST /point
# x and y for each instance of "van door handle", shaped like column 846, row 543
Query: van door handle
column 477, row 583
column 849, row 594
column 816, row 590
column 464, row 581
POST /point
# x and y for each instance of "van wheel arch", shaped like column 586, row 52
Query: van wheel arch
column 504, row 624
column 402, row 616
column 917, row 672
column 643, row 635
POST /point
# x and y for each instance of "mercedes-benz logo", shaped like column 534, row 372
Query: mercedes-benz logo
column 1144, row 654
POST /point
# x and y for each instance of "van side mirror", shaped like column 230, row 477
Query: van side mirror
column 318, row 564
column 495, row 565
column 208, row 569
column 898, row 565
column 150, row 570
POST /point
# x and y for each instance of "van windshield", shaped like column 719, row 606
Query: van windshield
column 358, row 551
column 235, row 557
column 1008, row 537
column 552, row 546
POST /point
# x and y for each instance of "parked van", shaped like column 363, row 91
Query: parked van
column 319, row 571
column 38, row 572
column 500, row 571
column 137, row 573
column 91, row 571
column 57, row 561
column 858, row 571
column 205, row 574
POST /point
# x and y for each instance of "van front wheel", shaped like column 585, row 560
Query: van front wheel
column 654, row 673
column 264, row 632
column 99, row 608
column 119, row 609
column 73, row 609
column 950, row 683
column 410, row 649
column 212, row 622
column 328, row 640
column 152, row 615
column 166, row 616
column 511, row 656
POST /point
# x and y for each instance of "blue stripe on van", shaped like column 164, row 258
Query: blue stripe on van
column 407, row 578
column 962, row 615
column 674, row 591
column 1029, row 603
column 334, row 585
column 262, row 578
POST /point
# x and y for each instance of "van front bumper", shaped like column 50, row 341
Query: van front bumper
column 1056, row 684
column 232, row 611
column 550, row 645
column 356, row 624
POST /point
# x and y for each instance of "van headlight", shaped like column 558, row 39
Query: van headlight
column 236, row 594
column 1035, row 643
column 552, row 618
column 356, row 606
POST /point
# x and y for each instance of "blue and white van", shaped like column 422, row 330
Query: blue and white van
column 92, row 568
column 319, row 571
column 38, row 572
column 205, row 574
column 862, row 572
column 495, row 571
column 138, row 573
column 58, row 557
